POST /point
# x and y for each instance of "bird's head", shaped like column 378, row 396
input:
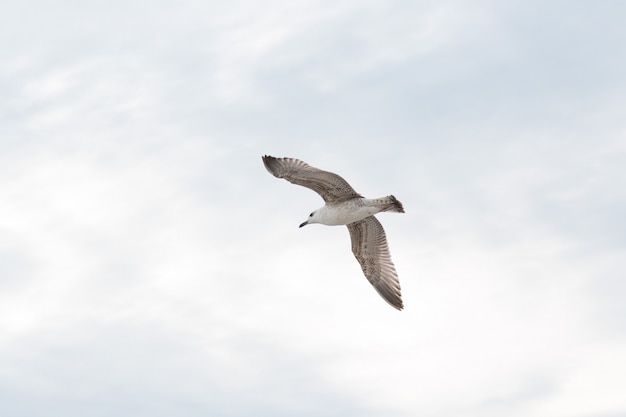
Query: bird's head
column 313, row 218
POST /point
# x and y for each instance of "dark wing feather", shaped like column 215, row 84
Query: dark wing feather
column 331, row 187
column 369, row 245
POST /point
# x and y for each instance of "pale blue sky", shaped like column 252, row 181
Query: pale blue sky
column 150, row 266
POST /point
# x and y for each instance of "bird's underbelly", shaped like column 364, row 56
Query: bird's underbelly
column 346, row 214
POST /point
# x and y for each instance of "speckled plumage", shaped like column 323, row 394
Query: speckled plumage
column 344, row 206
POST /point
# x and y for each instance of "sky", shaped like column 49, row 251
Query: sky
column 150, row 266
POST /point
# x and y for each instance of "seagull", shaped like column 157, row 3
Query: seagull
column 344, row 206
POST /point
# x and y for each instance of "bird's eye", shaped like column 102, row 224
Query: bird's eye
column 311, row 215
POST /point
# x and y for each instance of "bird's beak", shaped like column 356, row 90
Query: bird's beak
column 304, row 224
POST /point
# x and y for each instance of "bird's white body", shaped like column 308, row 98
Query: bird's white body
column 346, row 212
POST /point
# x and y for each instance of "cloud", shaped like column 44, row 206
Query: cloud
column 150, row 265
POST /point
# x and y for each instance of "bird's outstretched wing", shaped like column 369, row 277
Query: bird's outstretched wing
column 331, row 187
column 369, row 245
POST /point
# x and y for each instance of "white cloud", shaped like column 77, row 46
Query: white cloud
column 150, row 266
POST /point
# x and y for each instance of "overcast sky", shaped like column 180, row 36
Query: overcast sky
column 150, row 266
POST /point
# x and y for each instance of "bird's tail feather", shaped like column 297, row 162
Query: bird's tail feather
column 389, row 203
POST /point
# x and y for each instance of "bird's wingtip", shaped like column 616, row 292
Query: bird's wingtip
column 395, row 303
column 270, row 164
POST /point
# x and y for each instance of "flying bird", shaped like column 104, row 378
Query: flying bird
column 344, row 206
